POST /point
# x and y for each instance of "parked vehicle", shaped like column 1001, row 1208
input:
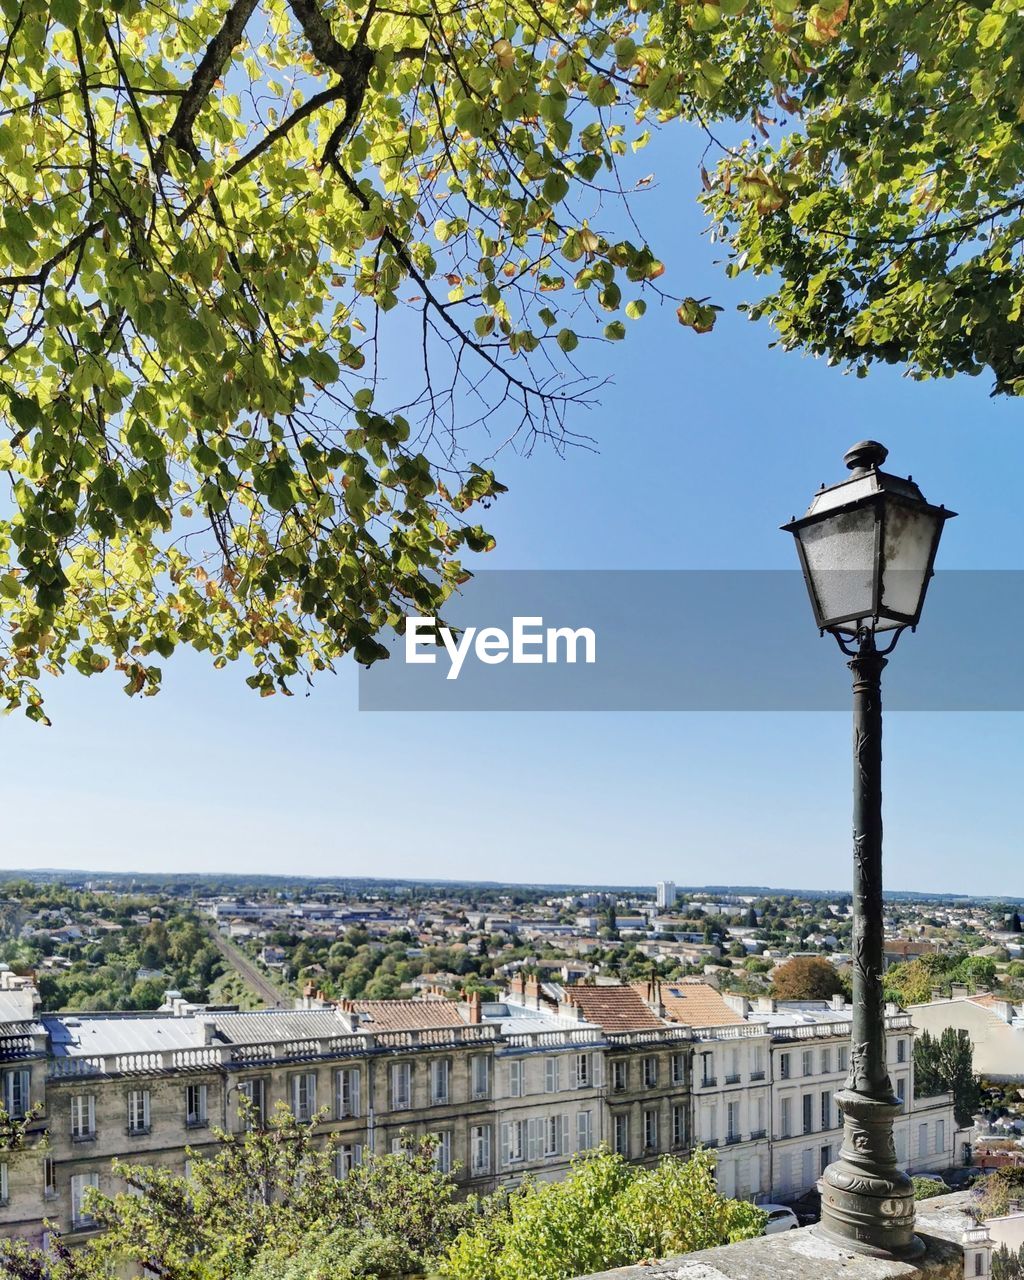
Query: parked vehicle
column 780, row 1218
column 807, row 1208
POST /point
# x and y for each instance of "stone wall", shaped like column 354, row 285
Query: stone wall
column 800, row 1255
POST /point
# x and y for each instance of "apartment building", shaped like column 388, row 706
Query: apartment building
column 731, row 1094
column 649, row 1066
column 809, row 1059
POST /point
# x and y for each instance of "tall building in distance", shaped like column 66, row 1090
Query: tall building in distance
column 666, row 895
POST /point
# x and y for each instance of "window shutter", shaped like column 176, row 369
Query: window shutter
column 564, row 1145
column 595, row 1070
column 91, row 1111
column 145, row 1109
column 532, row 1142
column 506, row 1139
column 354, row 1090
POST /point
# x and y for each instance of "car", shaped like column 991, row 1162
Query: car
column 807, row 1207
column 780, row 1218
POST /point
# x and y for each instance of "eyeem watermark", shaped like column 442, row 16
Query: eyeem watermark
column 530, row 643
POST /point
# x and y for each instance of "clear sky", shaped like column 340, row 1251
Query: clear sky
column 706, row 444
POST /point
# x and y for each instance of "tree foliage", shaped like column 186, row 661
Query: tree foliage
column 880, row 194
column 209, row 212
column 605, row 1214
column 946, row 1062
column 806, row 978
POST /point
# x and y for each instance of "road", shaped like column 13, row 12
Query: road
column 240, row 962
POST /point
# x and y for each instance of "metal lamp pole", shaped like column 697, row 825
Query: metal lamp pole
column 867, row 548
column 867, row 1201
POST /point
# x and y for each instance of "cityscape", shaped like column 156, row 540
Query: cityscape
column 515, row 1027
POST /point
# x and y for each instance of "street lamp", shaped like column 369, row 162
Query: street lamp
column 867, row 546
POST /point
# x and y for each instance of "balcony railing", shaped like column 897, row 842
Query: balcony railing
column 755, row 1076
column 758, row 1133
column 732, row 1079
column 732, row 1138
column 709, row 1082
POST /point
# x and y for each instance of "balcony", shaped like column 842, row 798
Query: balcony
column 709, row 1082
column 758, row 1133
column 755, row 1076
column 732, row 1079
column 732, row 1138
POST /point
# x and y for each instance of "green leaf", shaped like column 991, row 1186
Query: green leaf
column 990, row 28
column 567, row 340
column 615, row 331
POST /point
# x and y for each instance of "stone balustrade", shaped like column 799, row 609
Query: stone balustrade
column 942, row 1223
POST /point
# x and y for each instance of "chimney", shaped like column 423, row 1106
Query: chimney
column 937, row 994
column 207, row 1028
column 474, row 1007
column 516, row 985
column 532, row 991
column 740, row 1003
column 765, row 1004
column 839, row 1003
column 958, row 990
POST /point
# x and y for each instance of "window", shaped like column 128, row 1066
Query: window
column 480, row 1149
column 901, row 1050
column 759, row 1127
column 707, row 1063
column 17, row 1092
column 826, row 1109
column 621, row 1134
column 711, row 1135
column 513, row 1141
column 808, row 1062
column 901, row 1145
column 49, row 1177
column 679, row 1126
column 584, row 1131
column 443, row 1151
column 80, row 1184
column 620, row 1075
column 732, row 1122
column 979, row 1264
column 940, row 1137
column 304, row 1095
column 83, row 1117
column 583, row 1071
column 922, row 1139
column 346, row 1158
column 732, row 1075
column 650, row 1072
column 195, row 1105
column 4, row 1187
column 556, row 1135
column 550, row 1075
column 515, row 1079
column 786, row 1118
column 784, row 1068
column 826, row 1062
column 757, row 1069
column 439, row 1082
column 808, row 1108
column 843, row 1056
column 401, row 1086
column 825, row 1158
column 651, row 1130
column 138, row 1111
column 678, row 1068
column 901, row 1088
column 346, row 1093
column 254, row 1107
column 481, row 1076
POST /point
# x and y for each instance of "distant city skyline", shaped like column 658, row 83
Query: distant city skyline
column 707, row 444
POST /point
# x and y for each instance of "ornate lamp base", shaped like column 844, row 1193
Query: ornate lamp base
column 867, row 1202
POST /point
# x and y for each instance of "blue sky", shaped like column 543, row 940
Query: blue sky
column 706, row 444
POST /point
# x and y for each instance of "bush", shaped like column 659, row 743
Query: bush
column 344, row 1254
column 605, row 1214
column 925, row 1189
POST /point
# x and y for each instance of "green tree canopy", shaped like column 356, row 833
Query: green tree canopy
column 880, row 195
column 208, row 213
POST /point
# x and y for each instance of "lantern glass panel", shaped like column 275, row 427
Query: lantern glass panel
column 839, row 552
column 910, row 534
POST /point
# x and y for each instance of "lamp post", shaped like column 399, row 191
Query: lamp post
column 867, row 546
